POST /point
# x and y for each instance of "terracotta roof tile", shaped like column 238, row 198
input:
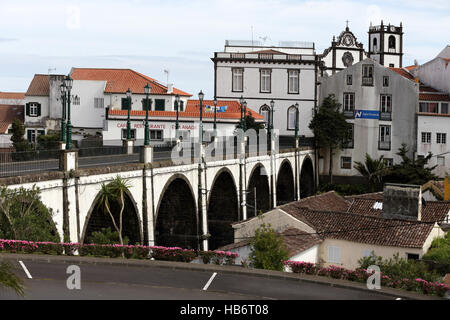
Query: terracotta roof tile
column 328, row 201
column 434, row 97
column 364, row 229
column 120, row 80
column 12, row 95
column 297, row 241
column 39, row 86
column 403, row 73
column 7, row 114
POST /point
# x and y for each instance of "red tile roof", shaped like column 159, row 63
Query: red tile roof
column 120, row 80
column 270, row 51
column 12, row 95
column 410, row 68
column 328, row 201
column 7, row 114
column 39, row 86
column 403, row 73
column 297, row 241
column 363, row 228
column 193, row 111
column 434, row 97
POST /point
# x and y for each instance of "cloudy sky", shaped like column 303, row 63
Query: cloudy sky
column 181, row 36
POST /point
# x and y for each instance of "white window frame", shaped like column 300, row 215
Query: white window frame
column 265, row 112
column 441, row 138
column 293, row 81
column 426, row 137
column 99, row 103
column 237, row 80
column 385, row 137
column 386, row 103
column 349, row 102
column 440, row 161
column 291, row 118
column 154, row 133
column 33, row 109
column 342, row 162
column 334, row 254
column 133, row 133
column 265, row 80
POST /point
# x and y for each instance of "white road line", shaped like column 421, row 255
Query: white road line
column 26, row 270
column 209, row 281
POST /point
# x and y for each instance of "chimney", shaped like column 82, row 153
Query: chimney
column 402, row 201
column 169, row 88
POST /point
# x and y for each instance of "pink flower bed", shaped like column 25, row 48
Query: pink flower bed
column 113, row 251
column 361, row 275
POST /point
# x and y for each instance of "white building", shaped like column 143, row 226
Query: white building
column 386, row 44
column 381, row 105
column 285, row 73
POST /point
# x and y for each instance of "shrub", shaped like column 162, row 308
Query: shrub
column 106, row 236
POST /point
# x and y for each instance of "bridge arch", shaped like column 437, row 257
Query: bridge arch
column 259, row 179
column 96, row 220
column 285, row 183
column 307, row 178
column 223, row 209
column 177, row 223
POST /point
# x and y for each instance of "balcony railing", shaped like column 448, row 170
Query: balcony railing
column 386, row 116
column 384, row 145
column 367, row 81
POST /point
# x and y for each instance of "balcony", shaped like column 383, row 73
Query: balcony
column 384, row 145
column 385, row 116
column 367, row 81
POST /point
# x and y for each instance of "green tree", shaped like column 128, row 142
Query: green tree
column 106, row 236
column 250, row 123
column 268, row 249
column 48, row 141
column 17, row 137
column 330, row 128
column 411, row 171
column 373, row 170
column 111, row 195
column 24, row 217
column 9, row 279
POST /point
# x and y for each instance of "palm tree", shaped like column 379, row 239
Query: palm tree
column 114, row 193
column 373, row 170
column 9, row 279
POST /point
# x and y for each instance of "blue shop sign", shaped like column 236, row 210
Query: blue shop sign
column 367, row 114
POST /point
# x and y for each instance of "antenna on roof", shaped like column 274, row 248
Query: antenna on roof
column 252, row 37
column 166, row 71
column 50, row 69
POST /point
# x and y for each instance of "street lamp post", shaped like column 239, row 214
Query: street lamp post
column 241, row 101
column 245, row 116
column 215, row 115
column 68, row 82
column 296, row 124
column 63, row 113
column 177, row 124
column 128, row 93
column 272, row 106
column 147, row 90
column 201, row 95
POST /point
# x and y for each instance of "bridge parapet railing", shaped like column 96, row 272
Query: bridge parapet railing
column 13, row 163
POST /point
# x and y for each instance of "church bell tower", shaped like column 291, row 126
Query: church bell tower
column 386, row 44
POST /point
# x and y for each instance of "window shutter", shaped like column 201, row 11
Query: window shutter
column 38, row 109
column 29, row 135
column 28, row 109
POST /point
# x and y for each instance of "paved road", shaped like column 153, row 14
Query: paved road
column 155, row 282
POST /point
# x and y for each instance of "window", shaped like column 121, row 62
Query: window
column 125, row 103
column 33, row 109
column 293, row 81
column 430, row 107
column 385, row 107
column 75, row 100
column 265, row 112
column 349, row 79
column 426, row 137
column 349, row 104
column 391, row 65
column 391, row 42
column 132, row 132
column 385, row 81
column 367, row 75
column 144, row 104
column 237, row 80
column 291, row 118
column 444, row 108
column 375, row 44
column 384, row 142
column 441, row 138
column 388, row 162
column 334, row 254
column 32, row 135
column 412, row 256
column 160, row 104
column 99, row 103
column 346, row 162
column 350, row 140
column 265, row 79
column 156, row 135
column 441, row 161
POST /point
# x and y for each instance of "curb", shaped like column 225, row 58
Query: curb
column 396, row 293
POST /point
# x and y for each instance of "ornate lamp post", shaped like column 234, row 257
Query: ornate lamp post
column 177, row 107
column 147, row 90
column 68, row 82
column 63, row 113
column 241, row 101
column 245, row 116
column 296, row 124
column 129, row 93
column 201, row 95
column 272, row 106
column 215, row 115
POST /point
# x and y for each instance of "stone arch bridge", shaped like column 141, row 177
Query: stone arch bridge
column 191, row 205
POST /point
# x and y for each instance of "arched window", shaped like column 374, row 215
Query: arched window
column 391, row 42
column 265, row 112
column 375, row 44
column 291, row 118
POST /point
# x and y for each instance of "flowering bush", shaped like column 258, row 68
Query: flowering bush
column 172, row 254
column 361, row 275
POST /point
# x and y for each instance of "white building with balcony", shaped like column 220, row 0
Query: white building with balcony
column 285, row 73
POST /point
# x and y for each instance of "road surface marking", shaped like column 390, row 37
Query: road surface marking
column 209, row 281
column 398, row 299
column 26, row 270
